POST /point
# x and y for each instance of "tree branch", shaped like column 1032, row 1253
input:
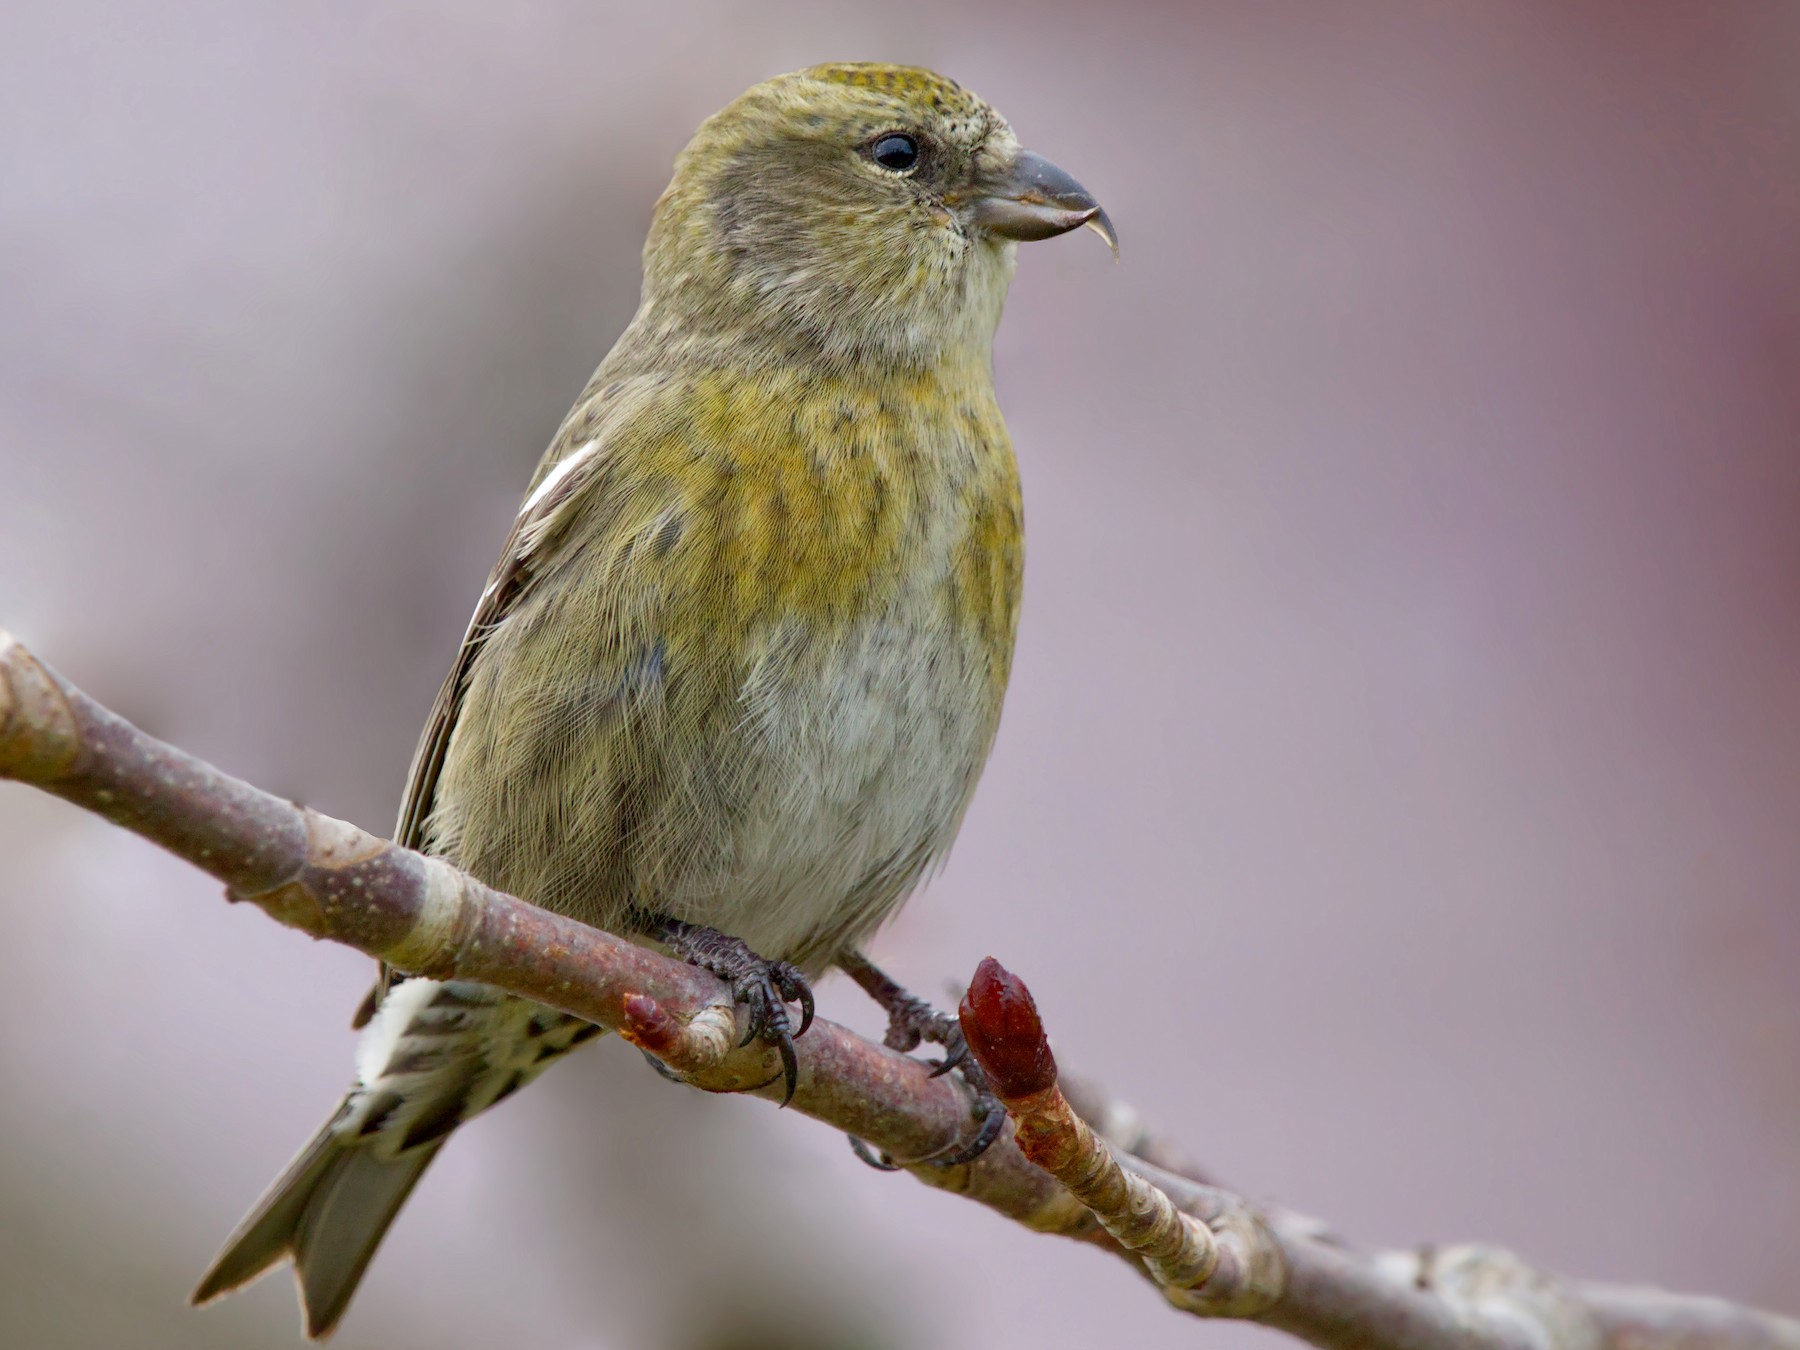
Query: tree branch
column 1078, row 1174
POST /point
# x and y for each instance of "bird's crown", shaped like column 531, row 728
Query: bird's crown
column 913, row 83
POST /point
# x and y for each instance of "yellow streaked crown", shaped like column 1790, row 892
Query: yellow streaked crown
column 914, row 83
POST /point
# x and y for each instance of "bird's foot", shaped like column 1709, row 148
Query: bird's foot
column 766, row 986
column 911, row 1022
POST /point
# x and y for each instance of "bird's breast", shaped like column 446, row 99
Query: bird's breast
column 860, row 549
column 831, row 505
column 757, row 686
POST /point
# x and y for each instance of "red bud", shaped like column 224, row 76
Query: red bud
column 646, row 1025
column 1001, row 1024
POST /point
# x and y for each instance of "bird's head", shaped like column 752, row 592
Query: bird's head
column 861, row 211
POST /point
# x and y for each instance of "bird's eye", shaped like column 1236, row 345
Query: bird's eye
column 896, row 151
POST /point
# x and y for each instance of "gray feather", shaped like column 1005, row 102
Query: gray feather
column 328, row 1211
column 339, row 1231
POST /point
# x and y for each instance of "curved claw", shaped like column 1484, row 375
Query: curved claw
column 790, row 1063
column 663, row 1069
column 991, row 1125
column 796, row 990
column 793, row 988
column 955, row 1055
column 758, row 1020
column 768, row 1021
column 869, row 1157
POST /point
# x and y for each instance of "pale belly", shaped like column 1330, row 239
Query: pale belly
column 851, row 770
column 808, row 802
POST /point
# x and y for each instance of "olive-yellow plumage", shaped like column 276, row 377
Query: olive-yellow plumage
column 761, row 695
column 743, row 656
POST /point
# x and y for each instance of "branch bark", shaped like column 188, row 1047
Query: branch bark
column 1057, row 1170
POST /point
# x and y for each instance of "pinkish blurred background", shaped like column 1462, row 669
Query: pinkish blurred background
column 1399, row 797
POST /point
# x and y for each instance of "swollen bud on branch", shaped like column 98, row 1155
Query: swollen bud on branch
column 1001, row 1024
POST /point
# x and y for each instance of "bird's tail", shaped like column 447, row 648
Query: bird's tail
column 434, row 1055
column 328, row 1211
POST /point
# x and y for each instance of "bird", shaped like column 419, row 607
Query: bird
column 730, row 686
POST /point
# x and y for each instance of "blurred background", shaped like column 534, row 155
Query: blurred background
column 1399, row 795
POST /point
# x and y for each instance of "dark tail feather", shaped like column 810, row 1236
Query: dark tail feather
column 328, row 1211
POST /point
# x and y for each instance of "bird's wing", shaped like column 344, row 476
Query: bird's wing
column 537, row 533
